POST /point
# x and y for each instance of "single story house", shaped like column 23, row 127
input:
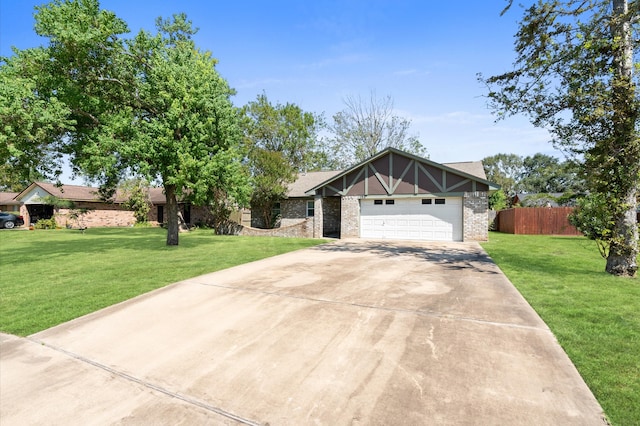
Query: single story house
column 8, row 202
column 392, row 195
column 33, row 206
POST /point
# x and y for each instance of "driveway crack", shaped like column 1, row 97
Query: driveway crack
column 377, row 307
column 149, row 385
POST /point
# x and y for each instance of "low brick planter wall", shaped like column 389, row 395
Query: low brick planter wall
column 304, row 229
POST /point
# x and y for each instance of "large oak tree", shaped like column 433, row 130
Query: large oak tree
column 576, row 74
column 153, row 106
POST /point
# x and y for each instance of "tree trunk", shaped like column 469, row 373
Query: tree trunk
column 172, row 215
column 624, row 245
column 624, row 252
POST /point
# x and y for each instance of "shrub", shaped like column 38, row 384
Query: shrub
column 46, row 224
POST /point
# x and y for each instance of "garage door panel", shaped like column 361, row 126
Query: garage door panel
column 410, row 219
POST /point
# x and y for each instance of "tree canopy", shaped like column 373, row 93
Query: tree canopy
column 576, row 74
column 505, row 170
column 534, row 174
column 33, row 124
column 282, row 141
column 543, row 173
column 152, row 106
column 367, row 126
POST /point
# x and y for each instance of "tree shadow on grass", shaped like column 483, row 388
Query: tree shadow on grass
column 92, row 242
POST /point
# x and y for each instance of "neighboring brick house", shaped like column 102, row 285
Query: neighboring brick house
column 8, row 202
column 98, row 212
column 392, row 195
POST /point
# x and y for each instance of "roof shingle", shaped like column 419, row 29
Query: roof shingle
column 91, row 194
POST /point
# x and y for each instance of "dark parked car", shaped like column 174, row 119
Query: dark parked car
column 8, row 220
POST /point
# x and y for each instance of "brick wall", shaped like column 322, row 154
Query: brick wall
column 303, row 229
column 350, row 224
column 331, row 216
column 318, row 221
column 97, row 215
column 293, row 210
column 475, row 216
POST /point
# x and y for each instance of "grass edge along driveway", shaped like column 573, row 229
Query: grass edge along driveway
column 53, row 276
column 594, row 316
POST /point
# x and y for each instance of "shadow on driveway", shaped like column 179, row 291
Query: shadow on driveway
column 452, row 256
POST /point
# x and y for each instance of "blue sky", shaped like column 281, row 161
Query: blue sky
column 425, row 54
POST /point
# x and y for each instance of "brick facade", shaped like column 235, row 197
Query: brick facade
column 293, row 210
column 350, row 211
column 318, row 221
column 303, row 229
column 97, row 215
column 331, row 219
column 475, row 216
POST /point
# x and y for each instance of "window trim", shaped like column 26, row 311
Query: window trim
column 311, row 208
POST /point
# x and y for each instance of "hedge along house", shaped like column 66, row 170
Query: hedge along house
column 99, row 213
column 395, row 195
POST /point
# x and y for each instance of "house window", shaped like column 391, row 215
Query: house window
column 310, row 208
column 389, row 201
column 275, row 211
column 439, row 200
column 427, row 201
column 377, row 202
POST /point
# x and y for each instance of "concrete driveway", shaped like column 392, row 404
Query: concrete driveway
column 352, row 332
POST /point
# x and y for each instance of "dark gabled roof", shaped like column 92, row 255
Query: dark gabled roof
column 471, row 170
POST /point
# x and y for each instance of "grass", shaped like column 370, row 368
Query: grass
column 594, row 316
column 49, row 277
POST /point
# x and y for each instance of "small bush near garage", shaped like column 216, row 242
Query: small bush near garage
column 46, row 224
column 47, row 278
column 594, row 315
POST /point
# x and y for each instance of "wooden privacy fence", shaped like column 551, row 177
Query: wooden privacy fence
column 537, row 220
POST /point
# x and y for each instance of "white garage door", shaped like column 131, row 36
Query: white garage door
column 434, row 219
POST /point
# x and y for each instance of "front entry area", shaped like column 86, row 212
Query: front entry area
column 427, row 219
column 38, row 211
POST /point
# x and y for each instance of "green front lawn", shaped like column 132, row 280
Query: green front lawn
column 595, row 316
column 49, row 277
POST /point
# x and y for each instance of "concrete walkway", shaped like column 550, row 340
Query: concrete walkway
column 352, row 332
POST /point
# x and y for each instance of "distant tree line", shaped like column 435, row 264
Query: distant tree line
column 536, row 174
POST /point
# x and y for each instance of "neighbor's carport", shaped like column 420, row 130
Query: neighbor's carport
column 353, row 332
